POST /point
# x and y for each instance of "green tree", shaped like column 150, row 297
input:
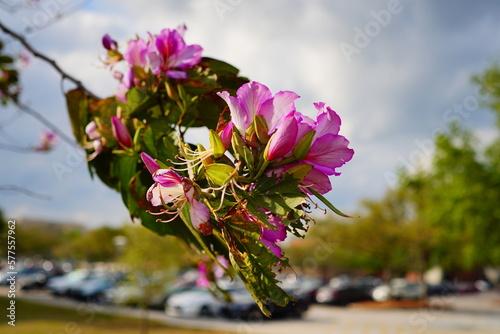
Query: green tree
column 460, row 192
column 148, row 252
column 94, row 245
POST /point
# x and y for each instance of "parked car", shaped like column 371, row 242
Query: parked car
column 399, row 288
column 141, row 291
column 201, row 302
column 304, row 287
column 243, row 307
column 62, row 285
column 443, row 289
column 94, row 289
column 345, row 291
column 193, row 303
column 33, row 278
column 403, row 289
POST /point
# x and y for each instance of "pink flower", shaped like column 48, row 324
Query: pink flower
column 121, row 133
column 173, row 191
column 168, row 52
column 328, row 150
column 254, row 98
column 93, row 134
column 270, row 237
column 202, row 280
column 136, row 52
column 47, row 141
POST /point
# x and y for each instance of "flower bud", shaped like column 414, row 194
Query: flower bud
column 302, row 147
column 109, row 43
column 121, row 133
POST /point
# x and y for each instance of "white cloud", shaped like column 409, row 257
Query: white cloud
column 393, row 92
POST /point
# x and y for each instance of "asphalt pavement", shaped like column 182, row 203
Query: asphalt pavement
column 463, row 314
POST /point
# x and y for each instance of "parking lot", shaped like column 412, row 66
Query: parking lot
column 475, row 313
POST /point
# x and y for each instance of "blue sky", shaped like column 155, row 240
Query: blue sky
column 395, row 71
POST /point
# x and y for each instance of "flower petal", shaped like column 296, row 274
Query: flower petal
column 136, row 52
column 200, row 216
column 272, row 247
column 168, row 178
column 274, row 235
column 317, row 180
column 252, row 96
column 187, row 57
column 283, row 140
column 239, row 115
column 91, row 130
column 176, row 74
column 328, row 121
column 275, row 109
column 329, row 152
column 150, row 163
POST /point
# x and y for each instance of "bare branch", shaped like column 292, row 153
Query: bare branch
column 15, row 148
column 27, row 192
column 30, row 111
column 33, row 113
column 52, row 62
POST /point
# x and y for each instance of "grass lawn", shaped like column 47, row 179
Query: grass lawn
column 36, row 318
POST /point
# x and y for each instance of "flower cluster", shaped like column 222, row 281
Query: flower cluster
column 294, row 139
column 269, row 138
column 162, row 54
column 234, row 201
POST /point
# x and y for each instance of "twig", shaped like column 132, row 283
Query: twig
column 30, row 111
column 52, row 62
column 25, row 191
column 33, row 113
column 15, row 148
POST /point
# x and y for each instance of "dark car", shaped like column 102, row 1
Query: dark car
column 344, row 292
column 33, row 278
column 444, row 289
column 94, row 289
column 244, row 307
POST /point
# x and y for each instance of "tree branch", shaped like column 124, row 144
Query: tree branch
column 50, row 61
column 25, row 191
column 15, row 148
column 35, row 114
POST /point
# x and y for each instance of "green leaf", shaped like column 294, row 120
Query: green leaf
column 6, row 60
column 220, row 174
column 149, row 141
column 254, row 263
column 218, row 66
column 125, row 168
column 277, row 196
column 328, row 204
column 77, row 103
column 299, row 172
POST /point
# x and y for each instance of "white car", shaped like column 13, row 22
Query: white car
column 193, row 303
